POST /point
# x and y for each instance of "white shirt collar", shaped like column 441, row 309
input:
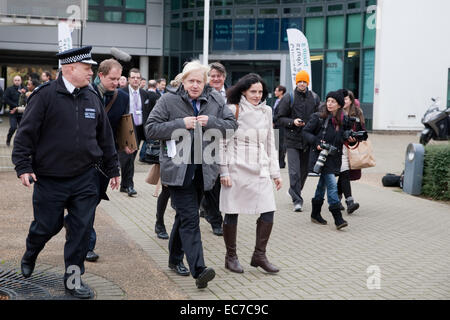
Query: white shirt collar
column 70, row 87
column 132, row 90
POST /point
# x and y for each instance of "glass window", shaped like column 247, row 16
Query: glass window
column 94, row 2
column 354, row 5
column 354, row 29
column 186, row 4
column 267, row 34
column 369, row 29
column 368, row 76
column 268, row 11
column 198, row 42
column 175, row 4
column 187, row 36
column 244, row 34
column 316, row 73
column 333, row 71
column 135, row 4
column 288, row 23
column 335, row 32
column 222, row 33
column 296, row 11
column 315, row 28
column 314, row 9
column 351, row 72
column 135, row 17
column 175, row 36
column 223, row 12
column 113, row 16
column 268, row 1
column 220, row 3
column 291, row 1
column 93, row 15
column 335, row 7
column 244, row 2
column 112, row 3
column 244, row 11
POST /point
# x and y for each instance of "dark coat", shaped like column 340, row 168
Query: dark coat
column 11, row 96
column 64, row 134
column 303, row 106
column 313, row 133
column 152, row 97
column 118, row 109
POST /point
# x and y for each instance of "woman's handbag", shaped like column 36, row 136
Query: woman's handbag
column 153, row 175
column 361, row 156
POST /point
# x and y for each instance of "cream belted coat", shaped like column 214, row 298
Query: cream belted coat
column 251, row 160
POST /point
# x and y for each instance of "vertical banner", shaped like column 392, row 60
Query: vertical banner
column 64, row 37
column 299, row 54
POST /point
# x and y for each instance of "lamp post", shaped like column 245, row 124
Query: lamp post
column 206, row 33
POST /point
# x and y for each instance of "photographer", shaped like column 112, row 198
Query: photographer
column 325, row 133
column 354, row 112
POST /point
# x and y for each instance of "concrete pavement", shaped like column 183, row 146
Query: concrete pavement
column 396, row 246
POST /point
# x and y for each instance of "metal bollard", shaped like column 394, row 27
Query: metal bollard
column 412, row 182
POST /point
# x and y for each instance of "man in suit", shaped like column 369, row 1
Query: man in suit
column 139, row 105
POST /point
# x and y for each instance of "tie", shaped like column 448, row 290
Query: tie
column 76, row 91
column 194, row 105
column 136, row 109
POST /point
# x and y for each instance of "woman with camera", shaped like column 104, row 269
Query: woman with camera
column 248, row 167
column 354, row 112
column 324, row 132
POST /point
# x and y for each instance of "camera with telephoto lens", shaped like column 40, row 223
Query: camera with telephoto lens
column 358, row 135
column 327, row 149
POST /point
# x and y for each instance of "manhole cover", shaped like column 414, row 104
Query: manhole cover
column 42, row 285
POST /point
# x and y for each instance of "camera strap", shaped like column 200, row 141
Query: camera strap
column 324, row 126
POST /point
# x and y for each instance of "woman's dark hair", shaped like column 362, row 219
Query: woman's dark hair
column 235, row 92
column 355, row 111
column 337, row 119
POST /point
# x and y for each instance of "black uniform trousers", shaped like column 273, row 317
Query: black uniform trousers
column 50, row 197
column 185, row 237
column 210, row 203
column 127, row 160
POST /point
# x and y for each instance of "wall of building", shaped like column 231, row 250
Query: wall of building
column 136, row 39
column 412, row 61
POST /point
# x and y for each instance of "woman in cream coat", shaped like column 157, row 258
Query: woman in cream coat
column 249, row 164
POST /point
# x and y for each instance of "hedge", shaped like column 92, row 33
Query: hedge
column 436, row 172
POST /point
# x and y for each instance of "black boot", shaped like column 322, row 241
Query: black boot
column 231, row 258
column 315, row 213
column 259, row 258
column 337, row 215
column 351, row 205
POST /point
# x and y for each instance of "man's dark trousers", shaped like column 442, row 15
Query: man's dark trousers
column 185, row 237
column 298, row 163
column 50, row 197
column 14, row 121
column 210, row 203
column 127, row 160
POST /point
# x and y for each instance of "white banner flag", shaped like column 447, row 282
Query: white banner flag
column 299, row 54
column 64, row 37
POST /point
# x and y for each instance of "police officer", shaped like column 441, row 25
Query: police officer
column 64, row 134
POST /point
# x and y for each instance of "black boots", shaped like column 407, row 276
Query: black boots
column 315, row 213
column 351, row 205
column 259, row 259
column 231, row 258
column 337, row 215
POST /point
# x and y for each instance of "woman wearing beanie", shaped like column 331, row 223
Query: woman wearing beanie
column 249, row 164
column 327, row 127
column 344, row 187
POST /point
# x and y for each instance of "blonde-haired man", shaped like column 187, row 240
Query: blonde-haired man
column 194, row 107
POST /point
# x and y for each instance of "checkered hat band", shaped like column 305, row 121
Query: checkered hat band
column 77, row 58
